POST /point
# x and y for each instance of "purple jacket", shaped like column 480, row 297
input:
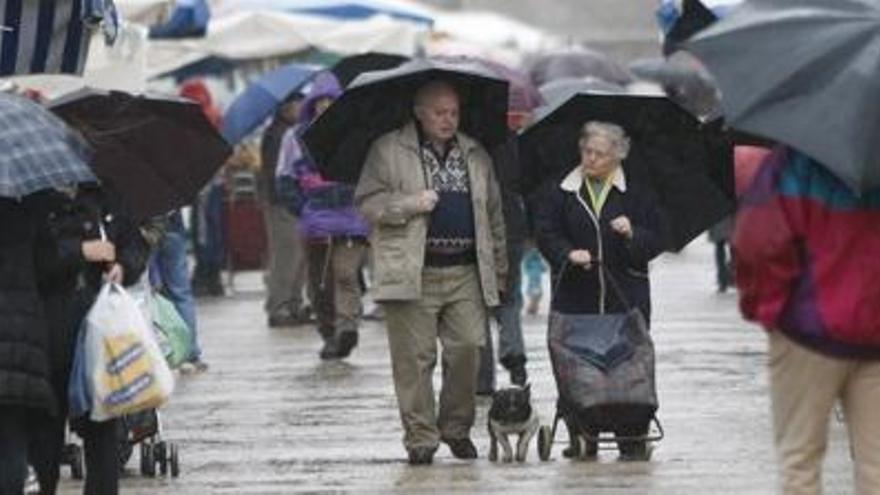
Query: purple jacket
column 325, row 208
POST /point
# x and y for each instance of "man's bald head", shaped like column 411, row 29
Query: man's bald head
column 436, row 106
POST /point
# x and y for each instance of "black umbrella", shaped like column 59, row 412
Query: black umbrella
column 694, row 18
column 156, row 153
column 689, row 165
column 348, row 68
column 378, row 102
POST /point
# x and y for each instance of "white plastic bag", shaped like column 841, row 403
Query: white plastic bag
column 126, row 370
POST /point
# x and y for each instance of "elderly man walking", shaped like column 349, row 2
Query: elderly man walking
column 439, row 259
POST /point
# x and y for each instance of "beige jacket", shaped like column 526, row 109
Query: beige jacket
column 387, row 195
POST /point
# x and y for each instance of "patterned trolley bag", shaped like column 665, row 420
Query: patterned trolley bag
column 604, row 369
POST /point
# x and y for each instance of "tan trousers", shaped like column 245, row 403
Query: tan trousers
column 285, row 275
column 451, row 309
column 804, row 386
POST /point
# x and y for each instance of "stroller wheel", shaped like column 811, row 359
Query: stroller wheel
column 174, row 460
column 162, row 457
column 77, row 467
column 148, row 460
column 545, row 442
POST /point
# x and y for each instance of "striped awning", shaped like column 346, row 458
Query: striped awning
column 42, row 36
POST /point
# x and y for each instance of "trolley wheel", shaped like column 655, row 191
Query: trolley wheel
column 545, row 442
column 148, row 460
column 77, row 463
column 174, row 460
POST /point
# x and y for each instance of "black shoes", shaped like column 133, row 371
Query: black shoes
column 461, row 448
column 340, row 346
column 347, row 342
column 518, row 375
column 421, row 456
column 635, row 451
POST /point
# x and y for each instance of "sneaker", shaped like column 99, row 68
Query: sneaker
column 421, row 456
column 461, row 448
column 193, row 366
column 347, row 342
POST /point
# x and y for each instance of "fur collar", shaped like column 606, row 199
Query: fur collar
column 574, row 179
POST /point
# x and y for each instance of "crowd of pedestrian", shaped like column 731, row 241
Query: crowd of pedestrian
column 451, row 211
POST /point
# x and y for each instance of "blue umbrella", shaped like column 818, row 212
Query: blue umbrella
column 39, row 150
column 261, row 98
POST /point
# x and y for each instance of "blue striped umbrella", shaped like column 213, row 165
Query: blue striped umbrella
column 39, row 150
column 262, row 98
column 43, row 36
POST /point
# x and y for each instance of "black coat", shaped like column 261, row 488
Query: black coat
column 68, row 284
column 24, row 359
column 564, row 222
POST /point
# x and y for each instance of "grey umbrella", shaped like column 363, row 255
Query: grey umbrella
column 806, row 74
column 686, row 84
column 546, row 67
column 39, row 150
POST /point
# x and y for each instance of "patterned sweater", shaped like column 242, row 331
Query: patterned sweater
column 451, row 229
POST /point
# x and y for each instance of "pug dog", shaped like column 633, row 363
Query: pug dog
column 511, row 413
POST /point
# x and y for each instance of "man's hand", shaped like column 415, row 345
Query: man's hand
column 622, row 226
column 580, row 257
column 115, row 274
column 427, row 201
column 99, row 251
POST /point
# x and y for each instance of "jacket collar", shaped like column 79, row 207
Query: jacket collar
column 573, row 181
column 408, row 137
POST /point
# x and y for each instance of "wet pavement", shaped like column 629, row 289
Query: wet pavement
column 270, row 417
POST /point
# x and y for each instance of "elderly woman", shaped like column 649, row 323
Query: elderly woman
column 597, row 213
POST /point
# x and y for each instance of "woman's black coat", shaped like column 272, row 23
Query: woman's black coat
column 24, row 339
column 564, row 222
column 68, row 283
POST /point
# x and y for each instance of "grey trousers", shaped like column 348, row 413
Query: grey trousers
column 451, row 309
column 285, row 275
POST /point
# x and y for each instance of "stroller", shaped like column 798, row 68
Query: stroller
column 604, row 370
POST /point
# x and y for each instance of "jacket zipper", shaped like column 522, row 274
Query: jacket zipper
column 601, row 255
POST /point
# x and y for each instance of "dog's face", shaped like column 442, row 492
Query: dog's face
column 511, row 405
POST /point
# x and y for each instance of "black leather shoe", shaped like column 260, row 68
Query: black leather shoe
column 518, row 375
column 330, row 350
column 461, row 448
column 347, row 342
column 421, row 456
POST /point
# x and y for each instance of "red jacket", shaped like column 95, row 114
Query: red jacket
column 808, row 257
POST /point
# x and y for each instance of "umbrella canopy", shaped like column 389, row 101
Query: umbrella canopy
column 379, row 102
column 155, row 153
column 261, row 98
column 557, row 91
column 348, row 68
column 523, row 96
column 687, row 84
column 805, row 74
column 581, row 63
column 689, row 165
column 39, row 150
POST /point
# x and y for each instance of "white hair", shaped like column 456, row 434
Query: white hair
column 609, row 131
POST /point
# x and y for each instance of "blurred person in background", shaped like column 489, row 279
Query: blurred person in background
column 334, row 232
column 286, row 268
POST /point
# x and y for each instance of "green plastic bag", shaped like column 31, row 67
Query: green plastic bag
column 174, row 329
